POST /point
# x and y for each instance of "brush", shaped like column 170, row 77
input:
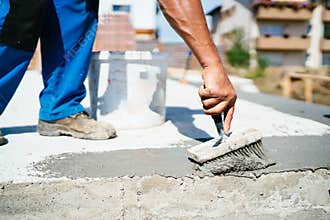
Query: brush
column 234, row 152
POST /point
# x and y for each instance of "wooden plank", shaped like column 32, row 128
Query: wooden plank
column 287, row 86
column 303, row 76
column 308, row 89
column 317, row 87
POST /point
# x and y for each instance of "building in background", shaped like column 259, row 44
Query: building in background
column 142, row 15
column 234, row 15
column 115, row 33
column 287, row 33
column 126, row 25
column 325, row 34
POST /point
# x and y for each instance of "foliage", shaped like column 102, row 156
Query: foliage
column 263, row 63
column 238, row 55
column 256, row 73
column 259, row 72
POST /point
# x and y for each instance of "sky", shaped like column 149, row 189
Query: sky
column 166, row 33
column 210, row 4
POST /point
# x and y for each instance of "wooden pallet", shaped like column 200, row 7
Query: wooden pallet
column 309, row 84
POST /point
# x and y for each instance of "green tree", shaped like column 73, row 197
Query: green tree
column 238, row 55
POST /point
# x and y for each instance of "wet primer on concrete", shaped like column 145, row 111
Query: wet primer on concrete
column 297, row 153
column 142, row 162
column 290, row 154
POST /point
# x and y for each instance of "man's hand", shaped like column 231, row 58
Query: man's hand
column 218, row 94
column 187, row 19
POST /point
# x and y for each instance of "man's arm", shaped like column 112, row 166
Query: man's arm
column 187, row 19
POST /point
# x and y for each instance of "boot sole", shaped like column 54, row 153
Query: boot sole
column 49, row 129
column 3, row 141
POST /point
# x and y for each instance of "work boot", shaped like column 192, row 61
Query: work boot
column 79, row 126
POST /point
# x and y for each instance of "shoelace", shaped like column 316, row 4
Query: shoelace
column 80, row 115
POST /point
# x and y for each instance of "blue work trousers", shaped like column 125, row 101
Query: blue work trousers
column 67, row 33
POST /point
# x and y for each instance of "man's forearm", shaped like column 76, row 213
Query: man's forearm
column 187, row 18
column 217, row 93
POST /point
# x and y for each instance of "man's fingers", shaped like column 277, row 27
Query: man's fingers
column 215, row 105
column 228, row 118
column 216, row 110
column 205, row 93
column 210, row 103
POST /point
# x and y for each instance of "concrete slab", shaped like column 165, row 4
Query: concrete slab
column 297, row 153
column 290, row 154
column 185, row 123
column 292, row 195
column 141, row 162
column 156, row 179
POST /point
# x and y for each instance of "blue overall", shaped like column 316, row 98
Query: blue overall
column 67, row 34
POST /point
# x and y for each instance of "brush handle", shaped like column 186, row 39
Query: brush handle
column 218, row 120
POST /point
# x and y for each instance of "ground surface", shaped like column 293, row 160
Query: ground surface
column 303, row 195
column 145, row 174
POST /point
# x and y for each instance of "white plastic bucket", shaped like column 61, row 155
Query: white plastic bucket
column 127, row 89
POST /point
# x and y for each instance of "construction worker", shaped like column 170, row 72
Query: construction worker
column 67, row 31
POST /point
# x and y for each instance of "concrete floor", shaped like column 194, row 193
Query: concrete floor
column 144, row 173
column 290, row 154
column 290, row 195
